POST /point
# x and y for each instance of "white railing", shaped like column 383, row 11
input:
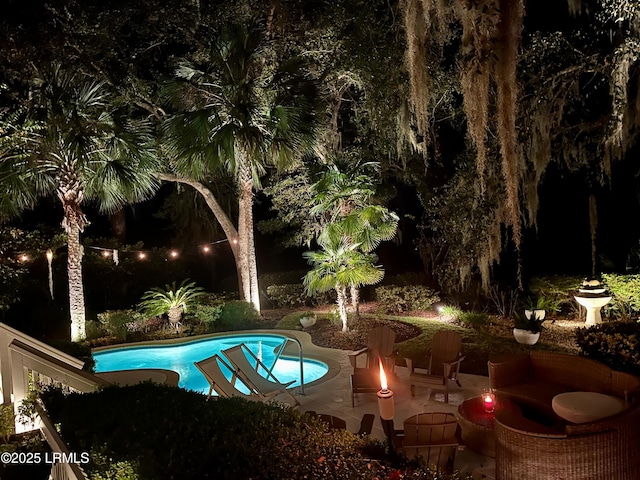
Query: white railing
column 59, row 470
column 29, row 363
column 7, row 336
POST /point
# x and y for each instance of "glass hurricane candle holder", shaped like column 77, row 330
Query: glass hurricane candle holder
column 488, row 400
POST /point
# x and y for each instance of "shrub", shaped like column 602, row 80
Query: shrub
column 94, row 329
column 616, row 344
column 292, row 320
column 450, row 313
column 171, row 301
column 288, row 295
column 207, row 315
column 626, row 294
column 558, row 289
column 238, row 315
column 116, row 322
column 398, row 299
column 474, row 319
column 292, row 295
column 187, row 437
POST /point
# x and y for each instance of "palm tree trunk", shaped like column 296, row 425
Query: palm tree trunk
column 341, row 292
column 245, row 226
column 355, row 300
column 74, row 270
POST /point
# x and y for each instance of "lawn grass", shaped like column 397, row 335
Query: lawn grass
column 477, row 344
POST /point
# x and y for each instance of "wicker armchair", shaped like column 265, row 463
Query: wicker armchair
column 541, row 445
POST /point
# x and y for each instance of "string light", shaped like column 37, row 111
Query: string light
column 108, row 252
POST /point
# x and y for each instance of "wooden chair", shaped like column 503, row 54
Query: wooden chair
column 444, row 360
column 365, row 377
column 434, row 436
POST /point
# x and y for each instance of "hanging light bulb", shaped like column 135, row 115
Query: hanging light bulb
column 173, row 253
column 206, row 248
column 24, row 257
column 106, row 253
column 49, row 262
column 142, row 255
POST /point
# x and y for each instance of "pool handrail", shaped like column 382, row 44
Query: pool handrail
column 300, row 355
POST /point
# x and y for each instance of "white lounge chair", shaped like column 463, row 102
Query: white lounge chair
column 218, row 382
column 262, row 386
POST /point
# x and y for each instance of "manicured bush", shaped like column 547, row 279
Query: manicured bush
column 238, row 315
column 398, row 299
column 616, row 344
column 174, row 433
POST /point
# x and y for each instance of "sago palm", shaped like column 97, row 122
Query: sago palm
column 171, row 301
column 239, row 110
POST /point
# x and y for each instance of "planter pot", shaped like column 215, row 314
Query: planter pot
column 540, row 314
column 525, row 337
column 307, row 322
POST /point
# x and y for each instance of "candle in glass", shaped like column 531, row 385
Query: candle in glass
column 488, row 400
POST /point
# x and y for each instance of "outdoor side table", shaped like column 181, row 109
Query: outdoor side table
column 476, row 424
column 581, row 407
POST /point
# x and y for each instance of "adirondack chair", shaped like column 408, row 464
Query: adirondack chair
column 444, row 360
column 433, row 436
column 365, row 377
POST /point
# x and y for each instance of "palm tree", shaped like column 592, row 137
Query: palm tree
column 239, row 112
column 338, row 266
column 345, row 196
column 84, row 150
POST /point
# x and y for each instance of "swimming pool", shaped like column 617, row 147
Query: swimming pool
column 179, row 357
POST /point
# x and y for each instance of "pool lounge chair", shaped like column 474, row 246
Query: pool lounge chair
column 210, row 368
column 249, row 374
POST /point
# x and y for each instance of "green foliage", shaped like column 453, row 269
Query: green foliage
column 616, row 344
column 533, row 323
column 238, row 315
column 475, row 319
column 450, row 312
column 292, row 320
column 115, row 322
column 225, row 439
column 207, row 315
column 397, row 299
column 295, row 295
column 626, row 294
column 558, row 289
column 7, row 422
column 94, row 330
column 158, row 301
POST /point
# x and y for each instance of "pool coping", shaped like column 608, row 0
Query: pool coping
column 311, row 351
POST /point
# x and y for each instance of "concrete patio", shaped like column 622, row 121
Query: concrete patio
column 333, row 397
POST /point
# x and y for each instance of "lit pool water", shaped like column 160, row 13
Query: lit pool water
column 180, row 357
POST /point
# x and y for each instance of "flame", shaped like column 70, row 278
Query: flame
column 383, row 379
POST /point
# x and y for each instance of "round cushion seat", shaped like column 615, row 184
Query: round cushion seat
column 581, row 407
